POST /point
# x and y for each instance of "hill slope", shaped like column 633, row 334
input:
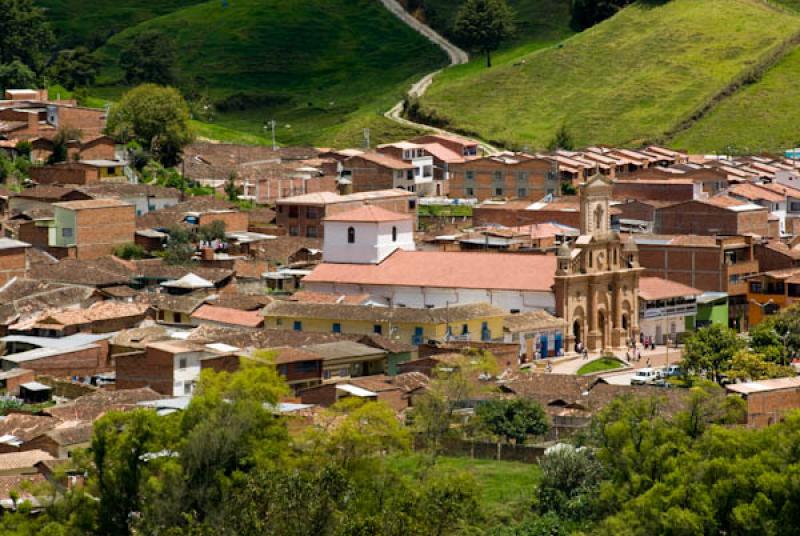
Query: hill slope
column 631, row 78
column 316, row 65
column 90, row 23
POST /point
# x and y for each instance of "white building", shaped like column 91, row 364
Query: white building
column 366, row 235
column 664, row 307
column 371, row 251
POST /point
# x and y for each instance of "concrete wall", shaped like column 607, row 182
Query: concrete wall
column 373, row 241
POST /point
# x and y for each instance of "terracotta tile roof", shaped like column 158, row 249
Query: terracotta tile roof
column 656, row 288
column 91, row 204
column 22, row 460
column 172, row 216
column 50, row 193
column 224, row 315
column 16, row 483
column 180, row 304
column 454, row 313
column 532, row 321
column 442, row 153
column 410, row 381
column 23, row 297
column 105, row 271
column 308, row 296
column 756, row 193
column 289, row 354
column 139, row 337
column 243, row 302
column 280, row 249
column 125, row 189
column 368, row 214
column 71, row 433
column 781, row 189
column 89, row 408
column 501, row 271
column 25, row 426
column 727, row 202
column 105, row 310
column 780, row 247
column 159, row 270
column 381, row 160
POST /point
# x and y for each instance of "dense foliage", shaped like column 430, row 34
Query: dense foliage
column 25, row 41
column 483, row 24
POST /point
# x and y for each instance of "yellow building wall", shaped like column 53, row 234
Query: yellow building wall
column 403, row 331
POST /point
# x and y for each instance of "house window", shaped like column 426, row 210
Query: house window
column 498, row 191
column 522, row 192
column 297, row 326
column 182, row 363
column 305, row 366
column 412, row 204
column 312, row 213
column 187, row 388
column 465, row 329
column 497, row 176
column 294, row 230
column 283, row 370
column 311, row 232
column 469, row 191
column 337, row 327
column 66, row 232
column 394, row 234
column 293, row 211
column 469, row 176
column 522, row 178
column 351, row 235
column 377, row 329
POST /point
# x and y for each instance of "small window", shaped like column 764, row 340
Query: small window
column 337, row 327
column 465, row 329
column 394, row 234
column 298, row 325
column 377, row 329
column 351, row 235
column 469, row 176
column 498, row 191
column 469, row 191
column 294, row 230
column 66, row 232
column 112, row 171
column 522, row 192
column 187, row 388
column 311, row 232
column 412, row 204
column 293, row 211
column 182, row 363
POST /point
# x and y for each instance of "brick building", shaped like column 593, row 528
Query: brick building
column 92, row 228
column 719, row 215
column 515, row 175
column 42, row 197
column 368, row 172
column 768, row 401
column 710, row 264
column 13, row 259
column 83, row 172
column 672, row 189
column 302, row 215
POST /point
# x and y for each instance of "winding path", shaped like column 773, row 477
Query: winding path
column 418, row 88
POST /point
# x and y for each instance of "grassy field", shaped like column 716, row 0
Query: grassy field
column 761, row 117
column 323, row 69
column 627, row 80
column 90, row 23
column 507, row 488
column 600, row 365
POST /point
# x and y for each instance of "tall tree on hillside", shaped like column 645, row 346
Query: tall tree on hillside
column 25, row 37
column 483, row 24
column 73, row 68
column 587, row 13
column 149, row 57
column 156, row 117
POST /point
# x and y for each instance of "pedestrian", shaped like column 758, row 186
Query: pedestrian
column 628, row 356
column 549, row 367
column 585, row 354
column 648, row 362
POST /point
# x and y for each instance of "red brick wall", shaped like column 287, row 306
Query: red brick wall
column 89, row 121
column 225, row 363
column 700, row 268
column 484, row 186
column 769, row 407
column 151, row 368
column 12, row 264
column 100, row 230
column 514, row 217
column 653, row 191
column 234, row 221
column 323, row 395
column 80, row 363
column 769, row 259
column 13, row 383
column 637, row 211
column 368, row 176
column 65, row 174
column 700, row 218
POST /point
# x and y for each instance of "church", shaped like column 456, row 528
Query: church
column 592, row 284
column 597, row 278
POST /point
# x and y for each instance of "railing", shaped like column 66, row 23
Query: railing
column 673, row 310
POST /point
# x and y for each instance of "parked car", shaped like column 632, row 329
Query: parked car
column 670, row 371
column 646, row 376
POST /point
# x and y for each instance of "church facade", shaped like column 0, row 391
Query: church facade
column 597, row 278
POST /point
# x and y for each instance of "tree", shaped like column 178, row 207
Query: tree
column 570, row 479
column 179, row 249
column 156, row 117
column 483, row 24
column 513, row 419
column 231, row 190
column 17, row 75
column 61, row 140
column 212, row 231
column 751, row 366
column 74, row 68
column 587, row 13
column 129, row 251
column 149, row 57
column 711, row 349
column 562, row 140
column 25, row 39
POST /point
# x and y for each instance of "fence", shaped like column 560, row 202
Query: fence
column 486, row 450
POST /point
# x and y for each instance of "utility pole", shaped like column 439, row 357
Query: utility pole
column 366, row 138
column 271, row 124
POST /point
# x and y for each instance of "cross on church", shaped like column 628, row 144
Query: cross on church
column 598, row 218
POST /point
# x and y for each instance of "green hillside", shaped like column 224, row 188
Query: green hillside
column 324, row 69
column 542, row 21
column 629, row 79
column 90, row 23
column 761, row 117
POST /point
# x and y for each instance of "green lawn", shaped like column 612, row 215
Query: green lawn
column 507, row 488
column 600, row 365
column 446, row 211
column 629, row 79
column 323, row 69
